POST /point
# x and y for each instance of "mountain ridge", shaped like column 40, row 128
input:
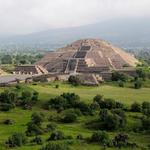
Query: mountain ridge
column 122, row 32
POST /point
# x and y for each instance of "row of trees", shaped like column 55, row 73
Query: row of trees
column 20, row 59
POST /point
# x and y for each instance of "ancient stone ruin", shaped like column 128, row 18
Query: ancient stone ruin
column 91, row 59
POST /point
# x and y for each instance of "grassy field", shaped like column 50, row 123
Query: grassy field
column 46, row 91
column 124, row 95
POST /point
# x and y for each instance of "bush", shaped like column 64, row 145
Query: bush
column 117, row 76
column 71, row 98
column 145, row 105
column 84, row 108
column 57, row 135
column 8, row 100
column 6, row 106
column 121, row 83
column 28, row 98
column 109, row 103
column 137, row 84
column 112, row 120
column 100, row 137
column 56, row 146
column 37, row 118
column 33, row 129
column 146, row 123
column 69, row 117
column 98, row 98
column 146, row 108
column 106, row 103
column 51, row 126
column 57, row 86
column 74, row 80
column 120, row 140
column 18, row 87
column 8, row 122
column 136, row 107
column 35, row 97
column 17, row 139
column 141, row 72
column 57, row 103
column 37, row 140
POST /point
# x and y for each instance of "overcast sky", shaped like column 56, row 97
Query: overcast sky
column 25, row 16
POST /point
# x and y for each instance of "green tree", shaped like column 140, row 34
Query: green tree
column 74, row 80
column 100, row 137
column 6, row 59
column 56, row 135
column 136, row 107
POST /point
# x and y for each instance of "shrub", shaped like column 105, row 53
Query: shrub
column 74, row 80
column 37, row 118
column 8, row 100
column 137, row 84
column 6, row 106
column 146, row 123
column 146, row 108
column 57, row 86
column 57, row 103
column 18, row 87
column 84, row 108
column 136, row 107
column 57, row 135
column 120, row 140
column 109, row 103
column 69, row 117
column 71, row 98
column 112, row 120
column 117, row 76
column 51, row 126
column 37, row 140
column 17, row 139
column 35, row 97
column 33, row 129
column 28, row 98
column 8, row 122
column 56, row 146
column 146, row 105
column 106, row 103
column 121, row 83
column 98, row 98
column 100, row 137
column 141, row 72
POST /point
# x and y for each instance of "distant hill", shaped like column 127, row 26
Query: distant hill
column 127, row 32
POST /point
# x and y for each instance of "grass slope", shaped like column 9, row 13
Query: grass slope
column 46, row 91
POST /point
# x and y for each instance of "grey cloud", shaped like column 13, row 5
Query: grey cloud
column 25, row 16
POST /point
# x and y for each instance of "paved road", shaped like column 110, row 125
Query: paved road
column 10, row 78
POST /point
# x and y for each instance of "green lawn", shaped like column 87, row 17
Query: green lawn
column 46, row 91
column 124, row 95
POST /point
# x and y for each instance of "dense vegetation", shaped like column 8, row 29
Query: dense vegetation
column 44, row 117
column 8, row 60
